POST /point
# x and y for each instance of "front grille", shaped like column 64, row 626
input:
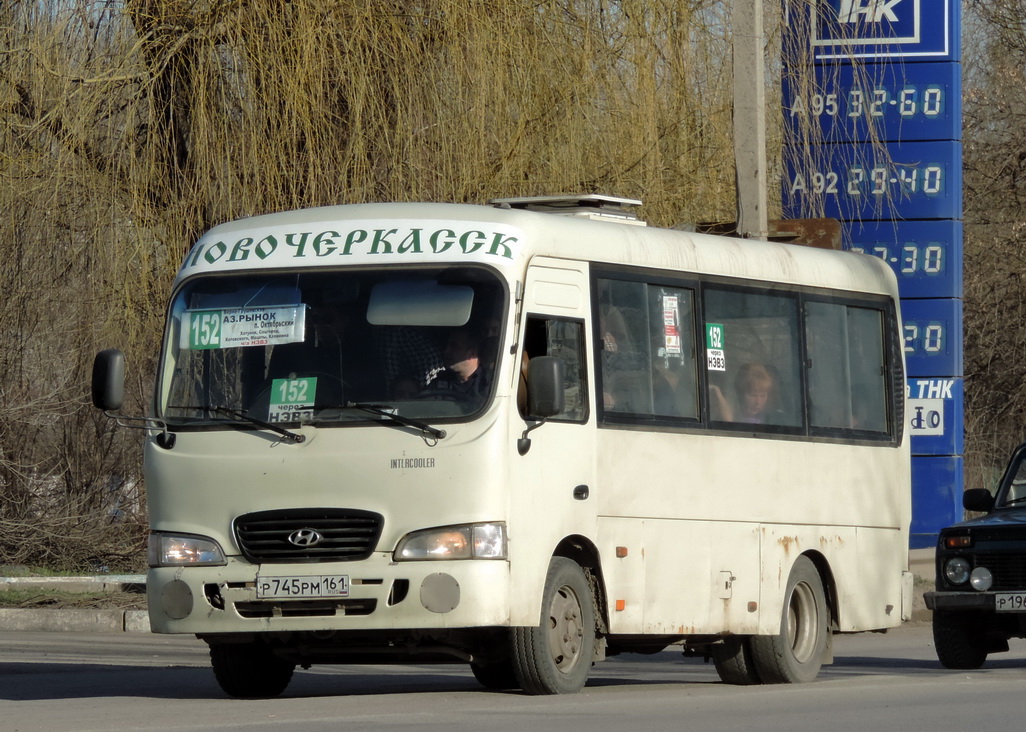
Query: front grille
column 1008, row 569
column 346, row 535
column 305, row 608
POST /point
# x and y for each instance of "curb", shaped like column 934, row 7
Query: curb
column 82, row 620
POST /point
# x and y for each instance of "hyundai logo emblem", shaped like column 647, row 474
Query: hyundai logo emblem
column 305, row 537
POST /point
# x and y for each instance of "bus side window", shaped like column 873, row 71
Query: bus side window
column 847, row 367
column 565, row 340
column 626, row 360
column 756, row 381
column 645, row 342
column 674, row 371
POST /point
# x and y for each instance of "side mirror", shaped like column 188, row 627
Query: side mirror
column 978, row 499
column 109, row 380
column 545, row 394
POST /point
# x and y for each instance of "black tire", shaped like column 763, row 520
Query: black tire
column 250, row 670
column 733, row 661
column 959, row 640
column 498, row 676
column 795, row 655
column 556, row 656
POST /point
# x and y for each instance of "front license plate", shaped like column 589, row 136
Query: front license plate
column 1010, row 602
column 330, row 585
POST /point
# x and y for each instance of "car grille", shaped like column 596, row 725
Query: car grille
column 1008, row 569
column 345, row 535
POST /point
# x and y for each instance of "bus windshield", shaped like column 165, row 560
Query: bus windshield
column 332, row 347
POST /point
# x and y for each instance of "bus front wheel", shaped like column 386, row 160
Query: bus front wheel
column 795, row 655
column 555, row 657
column 249, row 670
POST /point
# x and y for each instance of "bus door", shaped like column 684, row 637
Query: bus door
column 552, row 481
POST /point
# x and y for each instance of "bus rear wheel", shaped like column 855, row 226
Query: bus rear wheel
column 795, row 655
column 555, row 657
column 733, row 661
column 249, row 670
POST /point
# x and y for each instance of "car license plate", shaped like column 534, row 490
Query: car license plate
column 329, row 585
column 1010, row 602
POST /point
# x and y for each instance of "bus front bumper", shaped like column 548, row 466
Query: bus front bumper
column 377, row 594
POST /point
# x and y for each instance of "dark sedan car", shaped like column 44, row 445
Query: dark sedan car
column 980, row 600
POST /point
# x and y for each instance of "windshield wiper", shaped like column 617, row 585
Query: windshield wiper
column 286, row 435
column 382, row 410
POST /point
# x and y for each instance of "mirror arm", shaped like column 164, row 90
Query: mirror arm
column 165, row 439
column 524, row 443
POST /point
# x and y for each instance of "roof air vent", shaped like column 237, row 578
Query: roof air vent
column 590, row 206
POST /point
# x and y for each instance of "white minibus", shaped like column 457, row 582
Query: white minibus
column 524, row 437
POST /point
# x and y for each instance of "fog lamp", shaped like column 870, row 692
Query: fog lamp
column 981, row 579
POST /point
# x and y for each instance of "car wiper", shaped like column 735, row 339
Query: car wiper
column 287, row 435
column 383, row 410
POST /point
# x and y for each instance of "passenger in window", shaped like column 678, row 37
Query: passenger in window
column 756, row 389
column 522, row 384
column 720, row 409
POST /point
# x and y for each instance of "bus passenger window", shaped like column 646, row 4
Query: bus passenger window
column 626, row 375
column 754, row 376
column 847, row 367
column 672, row 334
column 646, row 342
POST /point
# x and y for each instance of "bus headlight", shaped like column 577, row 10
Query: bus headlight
column 957, row 570
column 183, row 550
column 472, row 541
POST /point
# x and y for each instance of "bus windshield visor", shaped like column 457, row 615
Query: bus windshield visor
column 332, row 347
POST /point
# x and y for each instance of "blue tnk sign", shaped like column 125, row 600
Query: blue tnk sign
column 883, row 29
column 873, row 137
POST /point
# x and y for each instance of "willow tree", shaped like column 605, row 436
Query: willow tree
column 130, row 126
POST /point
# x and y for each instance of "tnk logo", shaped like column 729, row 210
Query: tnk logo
column 871, row 11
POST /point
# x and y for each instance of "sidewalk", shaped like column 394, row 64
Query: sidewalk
column 136, row 621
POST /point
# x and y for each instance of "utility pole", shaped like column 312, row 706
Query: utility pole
column 750, row 119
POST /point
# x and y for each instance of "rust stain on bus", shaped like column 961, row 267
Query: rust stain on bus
column 787, row 542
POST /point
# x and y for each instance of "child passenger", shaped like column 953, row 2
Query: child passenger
column 755, row 388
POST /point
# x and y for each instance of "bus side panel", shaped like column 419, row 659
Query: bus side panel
column 876, row 548
column 673, row 578
column 866, row 567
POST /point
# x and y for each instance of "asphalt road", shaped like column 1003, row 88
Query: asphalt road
column 129, row 681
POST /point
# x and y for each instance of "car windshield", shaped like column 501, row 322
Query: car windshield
column 1014, row 493
column 332, row 347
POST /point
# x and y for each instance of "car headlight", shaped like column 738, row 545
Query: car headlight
column 472, row 541
column 957, row 570
column 183, row 550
